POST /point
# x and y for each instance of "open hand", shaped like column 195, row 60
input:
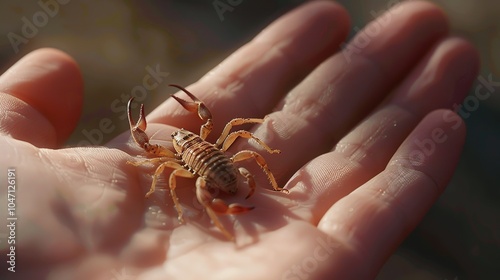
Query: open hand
column 366, row 137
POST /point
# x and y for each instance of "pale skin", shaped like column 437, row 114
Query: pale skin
column 359, row 177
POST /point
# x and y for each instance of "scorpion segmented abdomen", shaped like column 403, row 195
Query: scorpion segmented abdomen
column 204, row 159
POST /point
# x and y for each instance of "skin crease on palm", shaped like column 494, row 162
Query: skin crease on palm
column 348, row 124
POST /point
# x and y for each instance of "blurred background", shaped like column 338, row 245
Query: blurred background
column 117, row 43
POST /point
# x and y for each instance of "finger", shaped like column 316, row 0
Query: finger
column 375, row 218
column 252, row 80
column 442, row 77
column 331, row 100
column 441, row 80
column 41, row 98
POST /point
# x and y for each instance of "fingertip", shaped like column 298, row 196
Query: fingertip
column 48, row 81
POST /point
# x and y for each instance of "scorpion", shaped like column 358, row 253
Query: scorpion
column 194, row 157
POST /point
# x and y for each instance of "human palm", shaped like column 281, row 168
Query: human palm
column 367, row 146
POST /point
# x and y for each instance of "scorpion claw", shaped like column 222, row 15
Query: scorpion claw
column 139, row 135
column 196, row 106
column 129, row 112
column 190, row 106
column 141, row 123
column 137, row 129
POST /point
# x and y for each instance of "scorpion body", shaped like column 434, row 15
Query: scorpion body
column 205, row 160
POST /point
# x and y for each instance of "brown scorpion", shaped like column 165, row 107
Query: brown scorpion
column 194, row 157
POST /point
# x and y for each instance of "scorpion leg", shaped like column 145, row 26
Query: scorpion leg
column 178, row 171
column 181, row 172
column 171, row 164
column 196, row 106
column 140, row 137
column 246, row 134
column 214, row 206
column 246, row 154
column 234, row 122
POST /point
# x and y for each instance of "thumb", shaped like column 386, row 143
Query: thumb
column 41, row 98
